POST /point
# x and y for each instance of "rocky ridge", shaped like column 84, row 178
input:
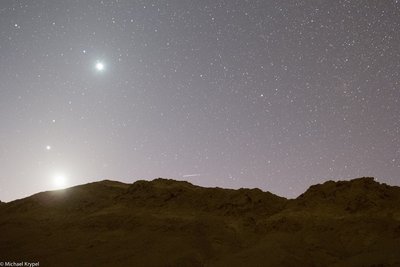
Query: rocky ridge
column 174, row 223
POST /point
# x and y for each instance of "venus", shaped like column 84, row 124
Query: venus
column 99, row 66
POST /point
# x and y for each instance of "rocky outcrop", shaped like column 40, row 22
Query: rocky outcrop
column 174, row 223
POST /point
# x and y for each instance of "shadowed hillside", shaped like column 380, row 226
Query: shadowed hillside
column 174, row 223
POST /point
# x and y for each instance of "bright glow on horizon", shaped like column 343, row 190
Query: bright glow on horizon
column 60, row 181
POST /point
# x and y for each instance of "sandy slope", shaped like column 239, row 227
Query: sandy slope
column 174, row 223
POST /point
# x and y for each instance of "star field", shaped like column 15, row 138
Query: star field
column 278, row 95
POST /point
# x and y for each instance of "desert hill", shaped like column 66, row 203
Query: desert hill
column 174, row 223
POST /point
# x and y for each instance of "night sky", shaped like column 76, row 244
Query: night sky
column 277, row 95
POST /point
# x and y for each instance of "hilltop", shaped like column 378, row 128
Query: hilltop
column 174, row 223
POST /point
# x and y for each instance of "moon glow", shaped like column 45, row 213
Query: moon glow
column 60, row 181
